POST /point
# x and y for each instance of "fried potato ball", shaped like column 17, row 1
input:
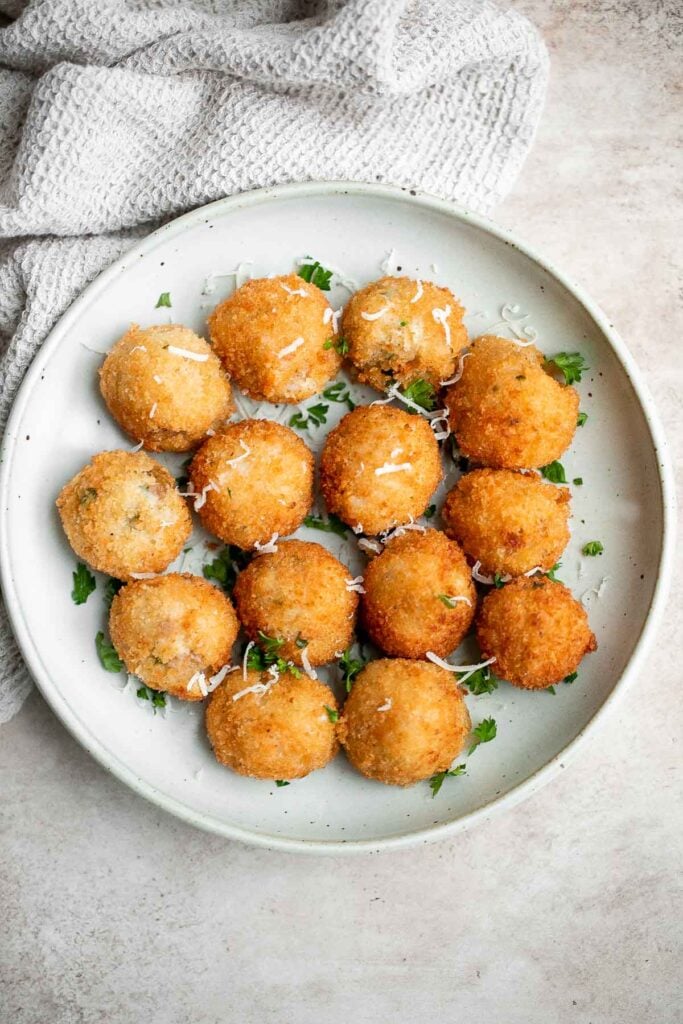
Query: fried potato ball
column 379, row 468
column 403, row 721
column 536, row 630
column 271, row 336
column 509, row 522
column 419, row 596
column 165, row 387
column 277, row 729
column 252, row 480
column 123, row 515
column 298, row 595
column 506, row 411
column 399, row 331
column 169, row 629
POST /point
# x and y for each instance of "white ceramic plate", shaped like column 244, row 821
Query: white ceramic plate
column 59, row 421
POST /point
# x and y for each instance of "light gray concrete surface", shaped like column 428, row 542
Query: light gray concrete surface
column 561, row 911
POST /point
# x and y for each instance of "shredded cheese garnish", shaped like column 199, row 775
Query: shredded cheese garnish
column 441, row 316
column 288, row 349
column 356, row 585
column 216, row 680
column 198, row 680
column 358, row 528
column 367, row 544
column 375, row 316
column 388, row 703
column 209, row 283
column 294, row 291
column 395, row 452
column 200, row 499
column 459, row 597
column 598, row 591
column 398, row 531
column 269, row 548
column 152, row 411
column 393, row 467
column 458, row 373
column 137, row 447
column 157, row 378
column 514, row 319
column 143, row 575
column 246, row 452
column 306, row 665
column 481, row 578
column 440, row 433
column 467, row 669
column 244, row 659
column 257, row 688
column 418, row 292
column 137, row 348
column 532, row 572
column 197, row 357
column 389, row 262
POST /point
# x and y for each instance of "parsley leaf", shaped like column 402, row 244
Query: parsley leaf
column 341, row 345
column 484, row 733
column 554, row 472
column 336, row 393
column 578, row 481
column 551, row 689
column 448, row 601
column 332, row 714
column 350, row 667
column 316, row 274
column 581, row 419
column 571, row 677
column 226, row 566
column 157, row 698
column 498, row 580
column 316, row 414
column 571, row 364
column 280, row 783
column 429, row 511
column 422, row 393
column 164, row 300
column 593, row 547
column 267, row 652
column 84, row 584
column 481, row 681
column 436, row 781
column 106, row 652
column 551, row 573
column 300, row 642
column 111, row 589
column 332, row 524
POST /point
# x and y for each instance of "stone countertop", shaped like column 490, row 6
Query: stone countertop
column 559, row 911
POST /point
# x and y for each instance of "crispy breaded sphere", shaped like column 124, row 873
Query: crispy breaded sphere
column 123, row 515
column 358, row 474
column 510, row 522
column 271, row 335
column 253, row 479
column 284, row 733
column 403, row 721
column 168, row 629
column 298, row 593
column 407, row 342
column 536, row 630
column 419, row 596
column 161, row 397
column 506, row 411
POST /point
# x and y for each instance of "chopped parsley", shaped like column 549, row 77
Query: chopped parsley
column 551, row 689
column 226, row 566
column 593, row 547
column 316, row 274
column 436, row 781
column 448, row 601
column 84, row 584
column 554, row 472
column 481, row 681
column 106, row 652
column 332, row 714
column 86, row 496
column 484, row 733
column 421, row 393
column 498, row 580
column 403, row 323
column 157, row 698
column 551, row 573
column 338, row 392
column 280, row 783
column 571, row 677
column 111, row 589
column 571, row 364
column 300, row 642
column 316, row 414
column 266, row 653
column 164, row 300
column 341, row 345
column 350, row 667
column 183, row 480
column 429, row 511
column 581, row 419
column 332, row 524
column 578, row 481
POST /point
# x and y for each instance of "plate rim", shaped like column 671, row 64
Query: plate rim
column 208, row 822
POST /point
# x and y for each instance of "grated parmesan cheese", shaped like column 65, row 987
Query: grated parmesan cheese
column 200, row 499
column 137, row 348
column 152, row 411
column 459, row 597
column 387, row 706
column 392, row 467
column 157, row 378
column 306, row 665
column 269, row 548
column 481, row 578
column 288, row 349
column 246, row 452
column 367, row 544
column 467, row 669
column 441, row 316
column 418, row 292
column 375, row 316
column 458, row 373
column 294, row 291
column 355, row 585
column 389, row 264
column 143, row 575
column 398, row 531
column 209, row 282
column 197, row 357
column 137, row 447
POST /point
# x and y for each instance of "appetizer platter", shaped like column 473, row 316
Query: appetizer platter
column 351, row 516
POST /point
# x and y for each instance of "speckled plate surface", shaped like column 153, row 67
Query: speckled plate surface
column 59, row 421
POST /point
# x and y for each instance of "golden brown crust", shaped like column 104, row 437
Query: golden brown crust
column 509, row 522
column 536, row 630
column 424, row 728
column 369, row 439
column 123, row 515
column 506, row 411
column 250, row 330
column 298, row 593
column 269, row 491
column 407, row 342
column 165, row 400
column 408, row 607
column 171, row 627
column 284, row 733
